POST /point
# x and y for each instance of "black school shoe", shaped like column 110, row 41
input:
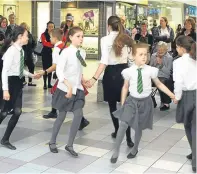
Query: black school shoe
column 189, row 156
column 72, row 152
column 113, row 135
column 8, row 145
column 165, row 108
column 31, row 84
column 10, row 112
column 194, row 169
column 84, row 124
column 50, row 115
column 130, row 144
column 113, row 160
column 53, row 150
column 130, row 155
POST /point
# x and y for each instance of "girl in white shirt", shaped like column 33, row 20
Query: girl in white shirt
column 12, row 82
column 115, row 49
column 137, row 108
column 185, row 85
column 69, row 96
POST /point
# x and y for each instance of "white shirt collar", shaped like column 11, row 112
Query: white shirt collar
column 74, row 47
column 113, row 33
column 58, row 43
column 137, row 67
column 18, row 47
column 185, row 55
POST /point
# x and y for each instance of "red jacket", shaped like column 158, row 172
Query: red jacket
column 44, row 41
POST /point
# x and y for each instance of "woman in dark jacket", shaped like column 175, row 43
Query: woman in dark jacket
column 47, row 53
column 164, row 33
column 188, row 30
column 28, row 53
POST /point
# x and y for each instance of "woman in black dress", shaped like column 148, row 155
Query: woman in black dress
column 115, row 50
column 47, row 53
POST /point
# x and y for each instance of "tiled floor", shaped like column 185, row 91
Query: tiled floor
column 162, row 150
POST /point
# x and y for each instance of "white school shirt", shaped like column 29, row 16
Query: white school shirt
column 108, row 56
column 56, row 51
column 70, row 68
column 11, row 64
column 184, row 75
column 131, row 74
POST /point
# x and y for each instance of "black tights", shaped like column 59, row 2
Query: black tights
column 49, row 79
column 112, row 108
column 11, row 124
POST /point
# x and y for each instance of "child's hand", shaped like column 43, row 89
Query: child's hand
column 69, row 93
column 6, row 95
column 175, row 101
column 36, row 76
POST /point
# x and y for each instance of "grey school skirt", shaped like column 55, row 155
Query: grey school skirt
column 186, row 108
column 61, row 103
column 136, row 112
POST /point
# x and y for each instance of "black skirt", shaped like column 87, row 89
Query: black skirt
column 15, row 86
column 113, row 82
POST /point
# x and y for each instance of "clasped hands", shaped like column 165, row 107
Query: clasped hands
column 88, row 83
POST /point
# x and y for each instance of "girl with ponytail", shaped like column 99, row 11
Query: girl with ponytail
column 185, row 85
column 115, row 51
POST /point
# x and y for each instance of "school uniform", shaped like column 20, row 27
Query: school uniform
column 12, row 74
column 112, row 79
column 137, row 110
column 185, row 85
column 69, row 68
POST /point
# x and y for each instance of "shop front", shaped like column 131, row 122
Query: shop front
column 91, row 17
column 21, row 9
column 190, row 11
column 171, row 9
column 132, row 11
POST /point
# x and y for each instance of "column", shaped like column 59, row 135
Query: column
column 56, row 12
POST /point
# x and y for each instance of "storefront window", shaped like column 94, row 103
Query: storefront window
column 190, row 11
column 128, row 13
column 172, row 10
column 87, row 19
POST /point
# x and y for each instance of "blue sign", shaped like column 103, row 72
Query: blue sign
column 190, row 10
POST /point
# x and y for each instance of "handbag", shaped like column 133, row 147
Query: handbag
column 38, row 48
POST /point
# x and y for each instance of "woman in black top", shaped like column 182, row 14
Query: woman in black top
column 28, row 50
column 47, row 53
column 189, row 30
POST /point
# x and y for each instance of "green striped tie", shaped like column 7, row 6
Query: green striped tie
column 139, row 81
column 82, row 61
column 21, row 64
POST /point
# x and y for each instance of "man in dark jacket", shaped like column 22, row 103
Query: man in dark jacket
column 11, row 27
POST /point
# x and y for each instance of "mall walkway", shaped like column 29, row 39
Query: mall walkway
column 162, row 150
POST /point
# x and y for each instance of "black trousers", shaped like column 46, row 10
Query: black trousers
column 15, row 102
column 168, row 83
column 46, row 63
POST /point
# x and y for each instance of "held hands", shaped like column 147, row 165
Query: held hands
column 90, row 83
column 6, row 95
column 159, row 60
column 36, row 76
